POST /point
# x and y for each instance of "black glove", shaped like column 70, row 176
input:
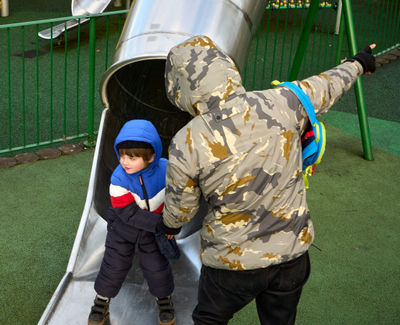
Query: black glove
column 161, row 227
column 168, row 247
column 366, row 59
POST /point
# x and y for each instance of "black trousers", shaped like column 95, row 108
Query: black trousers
column 121, row 242
column 276, row 289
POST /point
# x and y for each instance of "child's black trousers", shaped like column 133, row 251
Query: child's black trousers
column 121, row 242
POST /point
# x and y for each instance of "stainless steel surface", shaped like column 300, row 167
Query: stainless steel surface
column 78, row 8
column 338, row 17
column 154, row 27
column 4, row 8
column 60, row 28
column 133, row 87
column 88, row 7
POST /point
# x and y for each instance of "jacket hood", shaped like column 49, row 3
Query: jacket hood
column 140, row 130
column 199, row 76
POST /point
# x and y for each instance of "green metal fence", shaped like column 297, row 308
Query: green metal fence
column 273, row 49
column 49, row 90
column 299, row 38
column 49, row 87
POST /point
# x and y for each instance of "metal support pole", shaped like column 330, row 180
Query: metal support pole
column 92, row 60
column 339, row 41
column 4, row 8
column 301, row 47
column 358, row 88
column 338, row 17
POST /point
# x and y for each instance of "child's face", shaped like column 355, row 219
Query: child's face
column 133, row 165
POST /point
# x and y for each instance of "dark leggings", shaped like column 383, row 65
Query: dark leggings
column 118, row 257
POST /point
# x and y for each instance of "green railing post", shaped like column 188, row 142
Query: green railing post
column 358, row 88
column 305, row 33
column 10, row 125
column 23, row 86
column 92, row 60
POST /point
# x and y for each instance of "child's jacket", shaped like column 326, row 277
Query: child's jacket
column 127, row 190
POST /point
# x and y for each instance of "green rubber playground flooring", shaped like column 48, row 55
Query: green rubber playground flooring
column 382, row 98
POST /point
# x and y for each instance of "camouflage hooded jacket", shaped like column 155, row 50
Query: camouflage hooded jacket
column 242, row 151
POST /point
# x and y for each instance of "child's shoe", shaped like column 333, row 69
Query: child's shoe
column 166, row 314
column 100, row 311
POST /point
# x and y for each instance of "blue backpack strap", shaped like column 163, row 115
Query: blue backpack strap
column 303, row 98
column 312, row 148
column 313, row 152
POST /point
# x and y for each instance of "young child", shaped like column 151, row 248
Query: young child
column 137, row 198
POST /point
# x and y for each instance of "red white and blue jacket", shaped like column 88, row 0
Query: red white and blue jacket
column 128, row 191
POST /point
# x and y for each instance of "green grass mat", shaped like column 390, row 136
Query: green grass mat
column 384, row 134
column 41, row 205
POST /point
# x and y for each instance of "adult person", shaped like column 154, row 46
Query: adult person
column 242, row 153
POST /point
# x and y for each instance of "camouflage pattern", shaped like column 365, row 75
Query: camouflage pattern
column 242, row 151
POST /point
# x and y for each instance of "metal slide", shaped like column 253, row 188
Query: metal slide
column 78, row 8
column 133, row 87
